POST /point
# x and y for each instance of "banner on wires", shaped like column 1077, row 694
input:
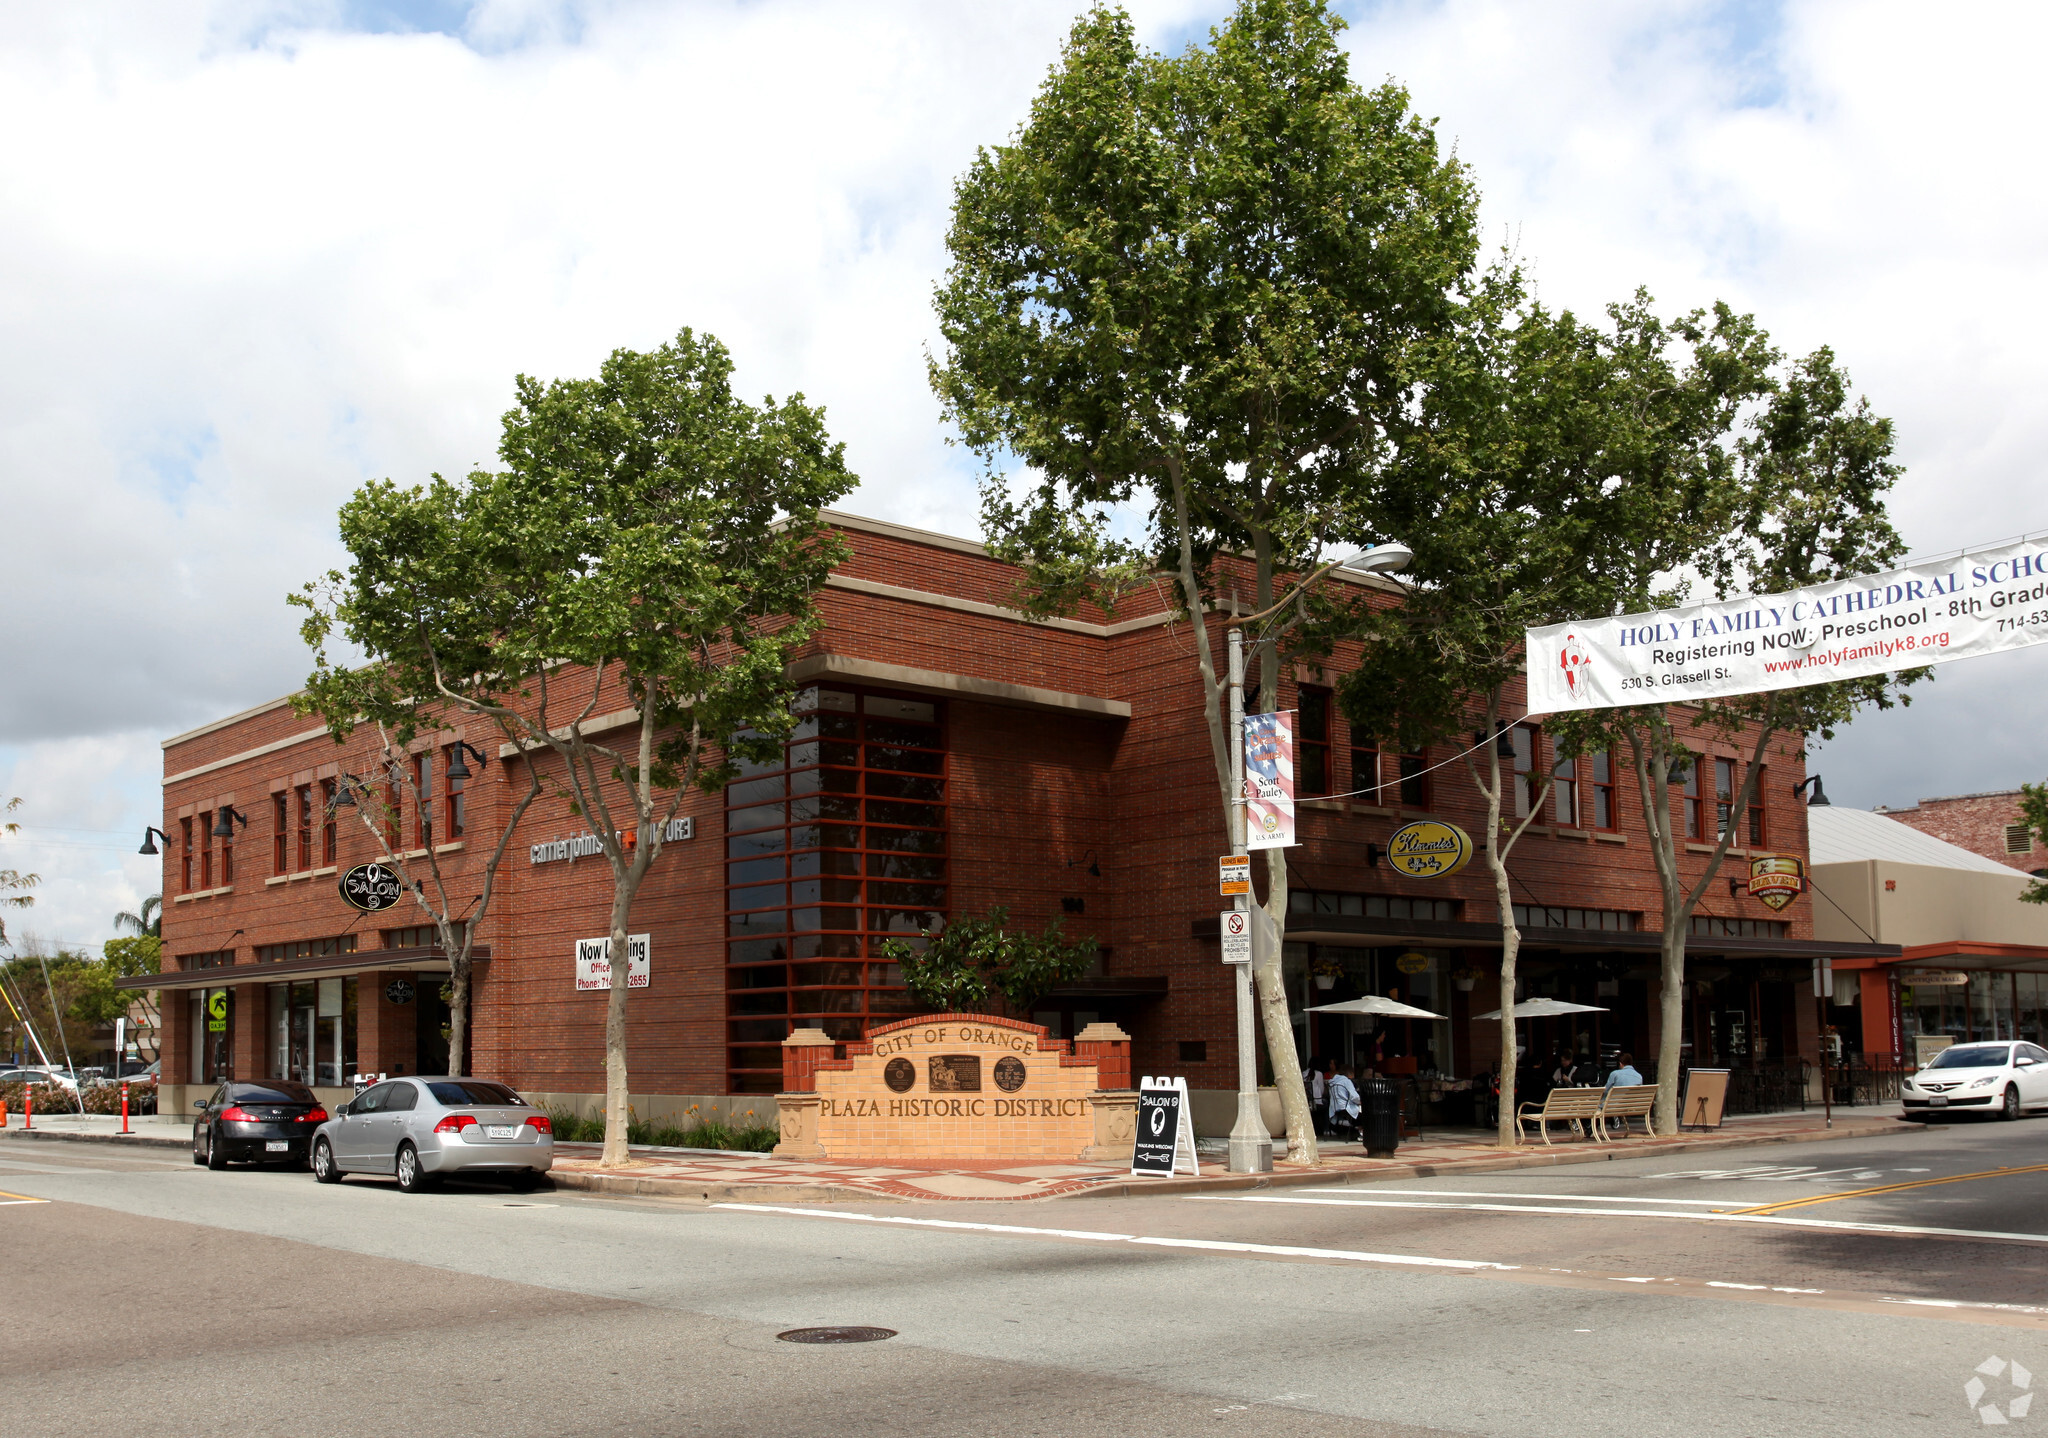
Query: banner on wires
column 1269, row 780
column 1984, row 602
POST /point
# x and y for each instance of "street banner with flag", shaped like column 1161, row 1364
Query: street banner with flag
column 1986, row 601
column 1269, row 780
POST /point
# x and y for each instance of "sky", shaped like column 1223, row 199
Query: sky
column 255, row 253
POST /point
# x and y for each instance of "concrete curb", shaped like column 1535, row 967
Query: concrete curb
column 1554, row 1159
column 131, row 1140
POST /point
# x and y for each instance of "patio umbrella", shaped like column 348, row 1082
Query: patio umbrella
column 1544, row 1009
column 1374, row 1004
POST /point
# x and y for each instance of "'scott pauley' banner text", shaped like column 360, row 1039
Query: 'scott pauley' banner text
column 1986, row 601
column 1268, row 780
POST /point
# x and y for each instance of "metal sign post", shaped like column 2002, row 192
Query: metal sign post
column 1251, row 1147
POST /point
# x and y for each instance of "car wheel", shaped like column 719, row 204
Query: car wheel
column 412, row 1175
column 198, row 1150
column 324, row 1167
column 2009, row 1107
column 215, row 1159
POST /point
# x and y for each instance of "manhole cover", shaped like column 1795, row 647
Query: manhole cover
column 835, row 1335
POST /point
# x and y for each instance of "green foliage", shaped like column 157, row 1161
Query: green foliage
column 134, row 956
column 959, row 966
column 742, row 1138
column 13, row 883
column 149, row 922
column 2034, row 814
column 1195, row 284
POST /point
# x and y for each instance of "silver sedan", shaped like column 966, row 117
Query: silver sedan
column 422, row 1129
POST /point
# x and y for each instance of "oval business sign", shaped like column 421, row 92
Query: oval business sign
column 371, row 888
column 1428, row 849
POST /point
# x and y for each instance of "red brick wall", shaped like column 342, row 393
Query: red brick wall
column 1976, row 822
column 1034, row 791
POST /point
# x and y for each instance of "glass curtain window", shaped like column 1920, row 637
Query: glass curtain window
column 1312, row 743
column 835, row 847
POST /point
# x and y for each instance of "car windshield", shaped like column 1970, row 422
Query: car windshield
column 273, row 1093
column 1973, row 1056
column 461, row 1091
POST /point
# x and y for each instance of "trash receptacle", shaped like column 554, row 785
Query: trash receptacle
column 1379, row 1117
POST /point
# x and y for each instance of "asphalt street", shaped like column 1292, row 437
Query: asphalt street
column 1819, row 1288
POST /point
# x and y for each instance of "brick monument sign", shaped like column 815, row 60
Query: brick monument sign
column 958, row 1087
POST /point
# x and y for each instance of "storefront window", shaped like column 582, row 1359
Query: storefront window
column 836, row 847
column 313, row 1031
column 210, row 1016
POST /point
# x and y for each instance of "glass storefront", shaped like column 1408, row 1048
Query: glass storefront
column 1993, row 1005
column 313, row 1031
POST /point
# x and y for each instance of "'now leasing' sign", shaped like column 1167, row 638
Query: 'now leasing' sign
column 1986, row 601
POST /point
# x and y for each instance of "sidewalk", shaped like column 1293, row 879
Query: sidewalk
column 717, row 1176
column 705, row 1175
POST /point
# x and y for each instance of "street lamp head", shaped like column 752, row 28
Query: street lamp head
column 1381, row 559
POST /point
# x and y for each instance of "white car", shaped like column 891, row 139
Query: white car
column 2002, row 1078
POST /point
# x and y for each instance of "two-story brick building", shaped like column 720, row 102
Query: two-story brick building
column 951, row 756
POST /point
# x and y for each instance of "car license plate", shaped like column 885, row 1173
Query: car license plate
column 276, row 1145
column 1937, row 1100
column 501, row 1130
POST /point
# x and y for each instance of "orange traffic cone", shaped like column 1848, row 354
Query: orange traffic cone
column 3, row 1113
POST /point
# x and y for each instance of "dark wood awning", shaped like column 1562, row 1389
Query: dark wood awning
column 423, row 960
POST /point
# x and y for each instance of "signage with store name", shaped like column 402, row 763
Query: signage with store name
column 1236, row 927
column 1234, row 875
column 372, row 888
column 594, row 962
column 1413, row 963
column 1937, row 979
column 583, row 845
column 1429, row 849
column 1777, row 879
column 398, row 991
column 1166, row 1131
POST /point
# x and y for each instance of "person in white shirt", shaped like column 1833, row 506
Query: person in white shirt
column 1344, row 1104
column 1626, row 1075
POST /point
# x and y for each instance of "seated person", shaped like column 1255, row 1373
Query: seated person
column 1344, row 1102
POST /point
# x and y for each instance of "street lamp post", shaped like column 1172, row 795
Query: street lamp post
column 1251, row 1147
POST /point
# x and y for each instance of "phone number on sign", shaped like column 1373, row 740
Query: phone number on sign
column 2023, row 621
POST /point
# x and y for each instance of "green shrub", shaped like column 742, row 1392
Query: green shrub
column 744, row 1137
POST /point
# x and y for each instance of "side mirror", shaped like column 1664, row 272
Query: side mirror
column 199, row 1105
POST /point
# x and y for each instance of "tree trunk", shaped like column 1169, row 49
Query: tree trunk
column 458, row 1010
column 1671, row 1014
column 617, row 1108
column 1508, row 1127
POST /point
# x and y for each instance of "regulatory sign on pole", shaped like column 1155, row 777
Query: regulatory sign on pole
column 1166, row 1132
column 1237, row 937
column 1234, row 875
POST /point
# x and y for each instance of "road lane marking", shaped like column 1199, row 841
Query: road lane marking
column 1896, row 1188
column 1710, row 1217
column 1210, row 1245
column 1965, row 1309
column 8, row 1200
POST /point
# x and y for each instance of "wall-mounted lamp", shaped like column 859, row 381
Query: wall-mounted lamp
column 459, row 770
column 222, row 829
column 1734, row 888
column 1373, row 854
column 345, row 786
column 150, row 835
column 1094, row 869
column 1820, row 795
column 1503, row 739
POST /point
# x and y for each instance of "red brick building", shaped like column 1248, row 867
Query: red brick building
column 952, row 756
column 1988, row 824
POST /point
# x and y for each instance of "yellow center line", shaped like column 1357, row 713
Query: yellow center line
column 1892, row 1188
column 22, row 1197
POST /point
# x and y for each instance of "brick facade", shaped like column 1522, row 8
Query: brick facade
column 1982, row 823
column 1072, row 745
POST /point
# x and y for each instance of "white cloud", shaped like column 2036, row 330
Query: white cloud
column 255, row 253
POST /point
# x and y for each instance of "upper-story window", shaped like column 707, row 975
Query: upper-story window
column 1582, row 791
column 1312, row 777
column 330, row 845
column 303, row 798
column 185, row 851
column 280, row 833
column 456, row 817
column 205, row 827
column 423, row 792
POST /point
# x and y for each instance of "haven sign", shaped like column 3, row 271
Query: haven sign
column 1986, row 601
column 951, row 1086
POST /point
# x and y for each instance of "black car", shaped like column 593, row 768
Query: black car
column 269, row 1122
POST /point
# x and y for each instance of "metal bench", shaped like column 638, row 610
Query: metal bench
column 1624, row 1102
column 1580, row 1107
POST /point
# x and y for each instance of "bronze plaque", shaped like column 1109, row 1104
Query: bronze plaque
column 956, row 1073
column 900, row 1075
column 1009, row 1073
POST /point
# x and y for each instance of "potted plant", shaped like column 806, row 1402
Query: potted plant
column 1327, row 972
column 1465, row 978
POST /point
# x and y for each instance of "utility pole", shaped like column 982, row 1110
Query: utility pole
column 1251, row 1147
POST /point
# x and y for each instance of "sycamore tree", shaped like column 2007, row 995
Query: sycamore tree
column 1506, row 489
column 622, row 598
column 1799, row 480
column 1187, row 296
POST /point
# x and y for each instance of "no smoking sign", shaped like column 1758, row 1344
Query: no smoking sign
column 1237, row 937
